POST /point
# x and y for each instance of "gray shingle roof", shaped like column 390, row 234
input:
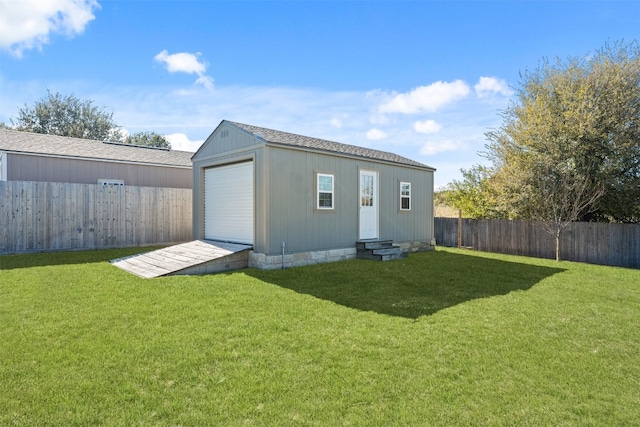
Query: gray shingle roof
column 53, row 145
column 291, row 139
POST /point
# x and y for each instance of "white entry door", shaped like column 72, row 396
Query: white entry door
column 368, row 204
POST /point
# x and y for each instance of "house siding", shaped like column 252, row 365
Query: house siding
column 406, row 226
column 292, row 219
column 225, row 140
column 235, row 147
column 23, row 167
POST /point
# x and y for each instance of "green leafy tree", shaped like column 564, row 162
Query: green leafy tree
column 474, row 194
column 584, row 112
column 148, row 139
column 569, row 149
column 70, row 116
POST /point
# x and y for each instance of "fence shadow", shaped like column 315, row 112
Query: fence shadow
column 421, row 285
column 86, row 256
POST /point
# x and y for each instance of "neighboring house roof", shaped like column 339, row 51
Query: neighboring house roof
column 88, row 149
column 306, row 142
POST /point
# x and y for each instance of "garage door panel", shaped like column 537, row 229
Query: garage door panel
column 228, row 203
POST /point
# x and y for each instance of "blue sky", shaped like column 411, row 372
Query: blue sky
column 423, row 79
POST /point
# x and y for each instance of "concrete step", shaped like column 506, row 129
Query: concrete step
column 382, row 257
column 379, row 250
column 387, row 251
column 373, row 244
column 399, row 255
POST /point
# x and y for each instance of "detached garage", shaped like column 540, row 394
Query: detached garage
column 300, row 200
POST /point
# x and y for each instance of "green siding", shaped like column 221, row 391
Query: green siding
column 293, row 220
column 224, row 140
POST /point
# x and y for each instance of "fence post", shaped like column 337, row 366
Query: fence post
column 459, row 228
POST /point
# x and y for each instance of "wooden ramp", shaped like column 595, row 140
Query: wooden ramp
column 197, row 257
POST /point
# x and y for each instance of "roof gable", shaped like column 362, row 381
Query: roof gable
column 305, row 142
column 62, row 146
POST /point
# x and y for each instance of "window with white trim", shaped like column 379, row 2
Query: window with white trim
column 405, row 196
column 325, row 191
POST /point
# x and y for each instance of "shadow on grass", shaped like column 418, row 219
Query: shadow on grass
column 420, row 285
column 10, row 262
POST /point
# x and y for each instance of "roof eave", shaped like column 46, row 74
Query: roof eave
column 345, row 155
column 94, row 159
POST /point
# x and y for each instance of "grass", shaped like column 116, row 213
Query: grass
column 442, row 338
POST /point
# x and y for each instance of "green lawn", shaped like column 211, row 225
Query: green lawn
column 442, row 338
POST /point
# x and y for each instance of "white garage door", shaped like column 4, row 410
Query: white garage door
column 228, row 203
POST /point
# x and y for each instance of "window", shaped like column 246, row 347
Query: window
column 405, row 196
column 366, row 190
column 325, row 191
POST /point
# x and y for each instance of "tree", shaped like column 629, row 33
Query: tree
column 474, row 194
column 556, row 194
column 68, row 116
column 148, row 139
column 569, row 149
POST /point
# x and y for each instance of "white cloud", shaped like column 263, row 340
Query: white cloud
column 184, row 62
column 427, row 126
column 431, row 148
column 488, row 86
column 376, row 134
column 340, row 120
column 168, row 110
column 28, row 24
column 206, row 81
column 181, row 142
column 426, row 98
column 119, row 133
column 378, row 119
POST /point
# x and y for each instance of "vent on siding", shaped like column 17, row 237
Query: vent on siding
column 224, row 133
column 110, row 182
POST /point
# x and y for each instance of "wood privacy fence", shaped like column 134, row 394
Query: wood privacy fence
column 595, row 243
column 46, row 216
